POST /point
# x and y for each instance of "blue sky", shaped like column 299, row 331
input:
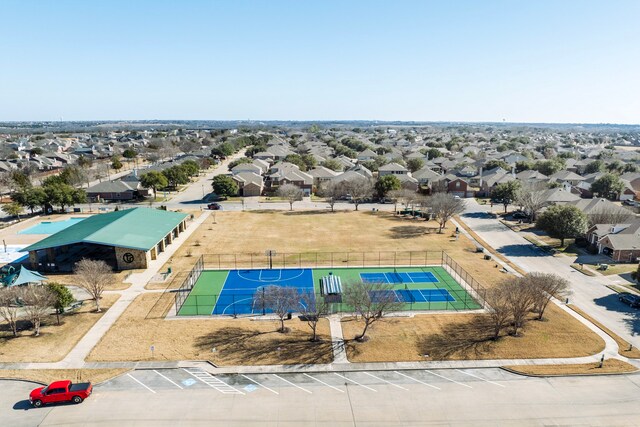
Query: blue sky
column 519, row 61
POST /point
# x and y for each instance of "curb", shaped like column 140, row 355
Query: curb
column 522, row 374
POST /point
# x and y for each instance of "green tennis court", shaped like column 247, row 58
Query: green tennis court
column 225, row 292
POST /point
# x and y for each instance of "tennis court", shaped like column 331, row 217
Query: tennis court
column 415, row 295
column 395, row 277
column 233, row 292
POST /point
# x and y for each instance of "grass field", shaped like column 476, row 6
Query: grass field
column 47, row 376
column 464, row 336
column 223, row 341
column 207, row 290
column 611, row 366
column 55, row 341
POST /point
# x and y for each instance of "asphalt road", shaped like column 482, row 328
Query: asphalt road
column 477, row 397
column 589, row 293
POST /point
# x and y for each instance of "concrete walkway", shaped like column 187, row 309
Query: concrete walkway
column 337, row 340
column 75, row 358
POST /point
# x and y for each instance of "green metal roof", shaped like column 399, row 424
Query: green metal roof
column 138, row 228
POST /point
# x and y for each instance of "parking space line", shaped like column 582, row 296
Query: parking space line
column 261, row 385
column 171, row 381
column 448, row 379
column 480, row 378
column 417, row 380
column 322, row 382
column 355, row 382
column 289, row 382
column 140, row 382
column 388, row 382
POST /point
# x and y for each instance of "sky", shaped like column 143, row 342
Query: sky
column 559, row 61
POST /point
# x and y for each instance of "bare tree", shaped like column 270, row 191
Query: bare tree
column 396, row 197
column 312, row 310
column 499, row 310
column 38, row 300
column 543, row 287
column 93, row 277
column 439, row 186
column 371, row 301
column 290, row 192
column 279, row 299
column 520, row 301
column 360, row 190
column 332, row 192
column 444, row 206
column 531, row 200
column 610, row 214
column 9, row 309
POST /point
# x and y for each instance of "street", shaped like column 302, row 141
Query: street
column 589, row 293
column 478, row 397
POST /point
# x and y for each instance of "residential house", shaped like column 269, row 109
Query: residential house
column 619, row 241
column 249, row 183
column 393, row 169
column 367, row 155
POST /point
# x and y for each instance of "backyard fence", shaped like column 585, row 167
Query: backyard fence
column 470, row 296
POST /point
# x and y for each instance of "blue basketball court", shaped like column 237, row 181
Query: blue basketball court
column 393, row 277
column 411, row 296
column 240, row 287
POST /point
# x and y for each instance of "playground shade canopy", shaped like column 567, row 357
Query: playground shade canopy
column 23, row 277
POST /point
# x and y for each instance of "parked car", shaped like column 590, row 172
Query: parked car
column 60, row 391
column 214, row 206
column 630, row 299
column 630, row 203
column 519, row 215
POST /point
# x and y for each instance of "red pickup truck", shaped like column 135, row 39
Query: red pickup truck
column 60, row 391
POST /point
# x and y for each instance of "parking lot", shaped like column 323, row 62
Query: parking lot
column 417, row 397
column 162, row 380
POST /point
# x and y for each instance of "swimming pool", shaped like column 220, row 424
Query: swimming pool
column 51, row 227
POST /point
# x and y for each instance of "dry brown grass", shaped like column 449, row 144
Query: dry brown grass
column 236, row 341
column 117, row 285
column 47, row 376
column 54, row 341
column 623, row 345
column 462, row 336
column 320, row 231
column 611, row 366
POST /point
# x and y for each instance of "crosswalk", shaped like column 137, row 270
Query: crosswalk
column 212, row 381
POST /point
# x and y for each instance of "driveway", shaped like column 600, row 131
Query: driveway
column 589, row 293
column 475, row 397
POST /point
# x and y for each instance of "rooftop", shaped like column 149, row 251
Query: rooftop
column 138, row 228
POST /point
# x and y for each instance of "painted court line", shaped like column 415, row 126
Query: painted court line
column 480, row 378
column 261, row 385
column 139, row 382
column 171, row 381
column 289, row 382
column 417, row 380
column 388, row 382
column 355, row 382
column 322, row 382
column 448, row 379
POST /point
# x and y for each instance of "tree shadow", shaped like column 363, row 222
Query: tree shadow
column 631, row 315
column 523, row 250
column 471, row 338
column 309, row 213
column 249, row 346
column 408, row 231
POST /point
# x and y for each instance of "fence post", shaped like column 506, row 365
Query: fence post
column 411, row 258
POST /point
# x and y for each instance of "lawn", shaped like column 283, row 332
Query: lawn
column 611, row 366
column 460, row 336
column 47, row 376
column 54, row 341
column 224, row 342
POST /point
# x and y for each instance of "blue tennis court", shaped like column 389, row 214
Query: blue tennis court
column 240, row 287
column 415, row 295
column 393, row 277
